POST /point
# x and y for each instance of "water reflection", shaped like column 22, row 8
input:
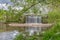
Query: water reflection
column 8, row 35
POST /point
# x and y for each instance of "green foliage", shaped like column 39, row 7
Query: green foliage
column 54, row 16
column 20, row 37
column 27, row 37
column 29, row 4
column 2, row 15
column 11, row 16
column 53, row 33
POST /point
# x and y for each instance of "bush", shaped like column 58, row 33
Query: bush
column 54, row 16
column 28, row 37
column 53, row 33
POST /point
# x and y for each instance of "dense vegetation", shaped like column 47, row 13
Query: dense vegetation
column 51, row 34
column 32, row 6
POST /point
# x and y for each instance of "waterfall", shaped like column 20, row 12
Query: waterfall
column 33, row 19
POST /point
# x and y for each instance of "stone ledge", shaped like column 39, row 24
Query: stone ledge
column 30, row 25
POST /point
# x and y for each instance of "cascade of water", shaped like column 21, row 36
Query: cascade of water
column 33, row 19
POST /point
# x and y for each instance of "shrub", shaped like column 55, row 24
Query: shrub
column 54, row 16
column 53, row 33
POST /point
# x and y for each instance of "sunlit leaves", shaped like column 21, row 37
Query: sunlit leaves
column 54, row 15
column 2, row 15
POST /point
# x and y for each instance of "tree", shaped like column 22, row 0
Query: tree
column 31, row 6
